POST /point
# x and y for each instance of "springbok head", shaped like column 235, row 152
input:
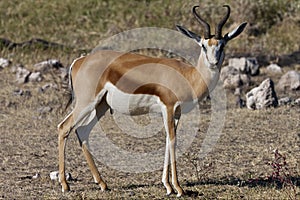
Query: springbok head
column 212, row 45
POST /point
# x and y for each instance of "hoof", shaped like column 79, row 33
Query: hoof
column 65, row 188
column 180, row 193
column 169, row 193
column 103, row 187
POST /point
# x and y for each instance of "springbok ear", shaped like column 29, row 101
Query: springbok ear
column 188, row 33
column 235, row 32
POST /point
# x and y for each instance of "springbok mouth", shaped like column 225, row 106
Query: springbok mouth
column 214, row 66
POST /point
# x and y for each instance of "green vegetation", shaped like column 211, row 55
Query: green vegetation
column 82, row 24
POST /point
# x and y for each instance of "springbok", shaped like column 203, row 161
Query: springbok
column 135, row 84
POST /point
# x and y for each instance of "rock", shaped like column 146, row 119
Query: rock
column 36, row 176
column 22, row 75
column 64, row 73
column 19, row 92
column 15, row 68
column 232, row 78
column 284, row 101
column 55, row 176
column 44, row 110
column 239, row 102
column 245, row 65
column 245, row 79
column 69, row 177
column 297, row 101
column 238, row 91
column 289, row 81
column 274, row 68
column 47, row 86
column 48, row 64
column 35, row 77
column 4, row 63
column 263, row 96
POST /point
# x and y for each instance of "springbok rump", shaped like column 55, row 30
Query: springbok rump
column 106, row 79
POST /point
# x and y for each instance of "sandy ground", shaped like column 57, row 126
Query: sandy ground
column 229, row 170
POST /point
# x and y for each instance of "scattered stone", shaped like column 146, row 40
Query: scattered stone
column 35, row 77
column 239, row 102
column 22, row 75
column 284, row 101
column 274, row 68
column 36, row 176
column 69, row 177
column 44, row 110
column 263, row 96
column 245, row 65
column 47, row 86
column 4, row 63
column 54, row 176
column 15, row 68
column 19, row 92
column 238, row 91
column 297, row 101
column 10, row 104
column 64, row 73
column 232, row 78
column 289, row 81
column 48, row 64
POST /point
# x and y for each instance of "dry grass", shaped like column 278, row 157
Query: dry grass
column 29, row 145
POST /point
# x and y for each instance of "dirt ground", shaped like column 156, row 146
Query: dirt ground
column 236, row 167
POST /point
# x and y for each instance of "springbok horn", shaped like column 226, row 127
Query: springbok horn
column 207, row 34
column 221, row 24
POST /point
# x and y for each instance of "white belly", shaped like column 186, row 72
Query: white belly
column 131, row 104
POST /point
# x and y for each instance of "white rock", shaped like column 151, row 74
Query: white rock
column 48, row 86
column 54, row 175
column 35, row 77
column 263, row 96
column 48, row 64
column 245, row 65
column 37, row 175
column 4, row 63
column 284, row 101
column 290, row 81
column 233, row 78
column 22, row 75
column 68, row 177
column 274, row 68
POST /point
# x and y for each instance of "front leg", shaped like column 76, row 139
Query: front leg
column 62, row 175
column 64, row 129
column 175, row 182
column 169, row 122
column 165, row 176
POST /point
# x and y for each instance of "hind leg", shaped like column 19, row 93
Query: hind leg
column 64, row 129
column 83, row 134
